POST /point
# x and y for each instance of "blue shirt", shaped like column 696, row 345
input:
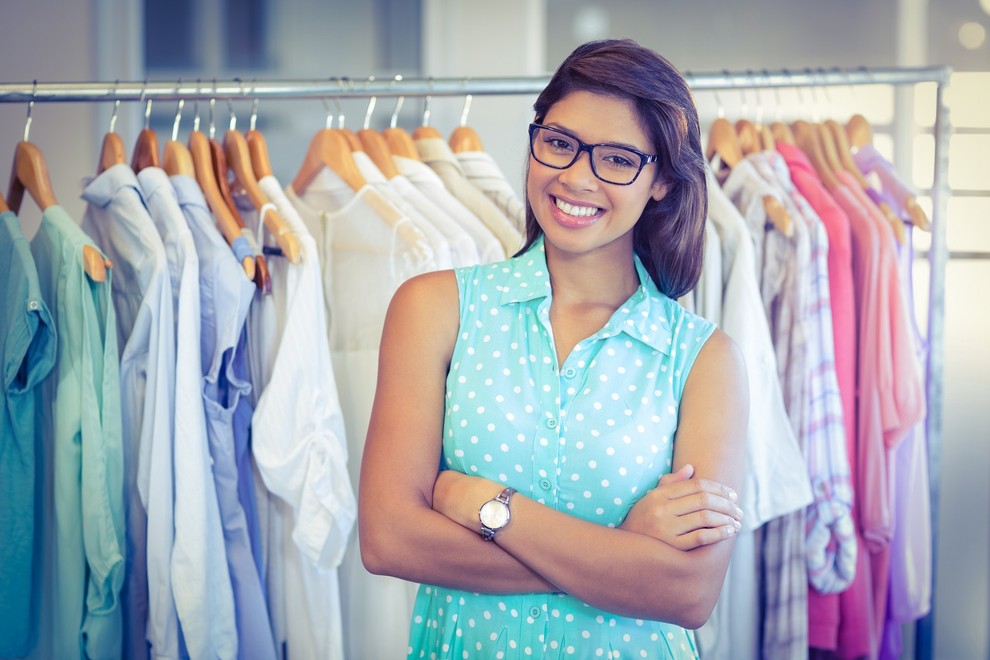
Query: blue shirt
column 589, row 439
column 118, row 220
column 82, row 418
column 225, row 297
column 27, row 350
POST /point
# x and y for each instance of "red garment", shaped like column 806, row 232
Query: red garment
column 838, row 622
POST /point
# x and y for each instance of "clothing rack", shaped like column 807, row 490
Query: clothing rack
column 342, row 87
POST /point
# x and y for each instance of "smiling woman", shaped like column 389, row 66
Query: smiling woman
column 586, row 502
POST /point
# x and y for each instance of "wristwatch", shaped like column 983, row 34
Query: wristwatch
column 495, row 514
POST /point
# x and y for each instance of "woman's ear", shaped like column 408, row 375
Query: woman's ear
column 658, row 190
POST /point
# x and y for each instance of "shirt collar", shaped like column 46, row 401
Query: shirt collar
column 645, row 316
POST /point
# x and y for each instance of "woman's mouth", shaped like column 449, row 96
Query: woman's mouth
column 575, row 215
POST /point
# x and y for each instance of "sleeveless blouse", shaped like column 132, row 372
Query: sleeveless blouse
column 588, row 439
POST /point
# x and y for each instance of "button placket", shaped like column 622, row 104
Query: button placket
column 547, row 449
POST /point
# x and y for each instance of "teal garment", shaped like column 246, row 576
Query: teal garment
column 27, row 351
column 83, row 438
column 588, row 439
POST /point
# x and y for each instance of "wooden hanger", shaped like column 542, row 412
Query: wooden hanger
column 178, row 160
column 199, row 149
column 145, row 151
column 328, row 148
column 3, row 205
column 767, row 140
column 829, row 149
column 722, row 140
column 30, row 172
column 465, row 138
column 376, row 147
column 400, row 143
column 111, row 153
column 806, row 137
column 844, row 150
column 782, row 132
column 748, row 137
column 424, row 132
column 146, row 147
column 779, row 217
column 258, row 148
column 262, row 277
column 859, row 131
column 239, row 159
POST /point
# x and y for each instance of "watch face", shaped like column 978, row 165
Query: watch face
column 494, row 514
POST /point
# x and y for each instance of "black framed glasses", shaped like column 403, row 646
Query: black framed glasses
column 611, row 163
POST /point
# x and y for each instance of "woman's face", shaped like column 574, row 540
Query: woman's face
column 578, row 212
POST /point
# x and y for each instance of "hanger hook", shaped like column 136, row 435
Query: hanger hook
column 394, row 121
column 199, row 90
column 230, row 108
column 147, row 107
column 467, row 104
column 213, row 105
column 27, row 121
column 776, row 95
column 178, row 112
column 336, row 101
column 428, row 102
column 371, row 104
column 254, row 106
column 116, row 106
column 824, row 85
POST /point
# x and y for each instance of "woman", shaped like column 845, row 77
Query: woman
column 556, row 390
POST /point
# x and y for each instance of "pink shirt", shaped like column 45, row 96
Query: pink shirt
column 824, row 618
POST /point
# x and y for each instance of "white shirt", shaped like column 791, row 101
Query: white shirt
column 359, row 278
column 374, row 177
column 430, row 184
column 485, row 175
column 198, row 549
column 463, row 251
column 300, row 449
column 117, row 220
column 436, row 154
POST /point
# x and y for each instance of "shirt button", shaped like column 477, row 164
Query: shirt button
column 545, row 484
column 552, row 423
column 33, row 305
column 570, row 372
column 535, row 612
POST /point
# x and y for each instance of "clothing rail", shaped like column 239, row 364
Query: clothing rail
column 364, row 88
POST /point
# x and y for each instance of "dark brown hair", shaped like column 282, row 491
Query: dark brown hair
column 669, row 236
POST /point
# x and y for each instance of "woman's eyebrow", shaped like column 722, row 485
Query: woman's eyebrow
column 571, row 133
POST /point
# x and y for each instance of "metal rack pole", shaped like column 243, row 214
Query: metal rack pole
column 360, row 88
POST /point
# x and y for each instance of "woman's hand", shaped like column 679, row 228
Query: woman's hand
column 686, row 513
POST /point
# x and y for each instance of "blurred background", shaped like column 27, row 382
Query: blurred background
column 104, row 40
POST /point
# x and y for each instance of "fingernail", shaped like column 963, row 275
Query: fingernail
column 731, row 531
column 736, row 524
column 739, row 513
column 732, row 495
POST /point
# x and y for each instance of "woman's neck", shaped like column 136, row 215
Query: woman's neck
column 606, row 276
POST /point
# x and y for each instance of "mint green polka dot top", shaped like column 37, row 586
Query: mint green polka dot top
column 588, row 439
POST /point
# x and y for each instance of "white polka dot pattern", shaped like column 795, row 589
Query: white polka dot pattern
column 589, row 438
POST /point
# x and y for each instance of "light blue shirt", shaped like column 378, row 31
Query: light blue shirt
column 225, row 296
column 27, row 354
column 82, row 420
column 198, row 557
column 588, row 439
column 118, row 221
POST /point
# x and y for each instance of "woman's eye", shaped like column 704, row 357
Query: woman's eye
column 559, row 144
column 618, row 161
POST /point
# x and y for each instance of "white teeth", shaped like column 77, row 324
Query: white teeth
column 576, row 211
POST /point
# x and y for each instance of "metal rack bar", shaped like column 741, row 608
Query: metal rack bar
column 363, row 88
